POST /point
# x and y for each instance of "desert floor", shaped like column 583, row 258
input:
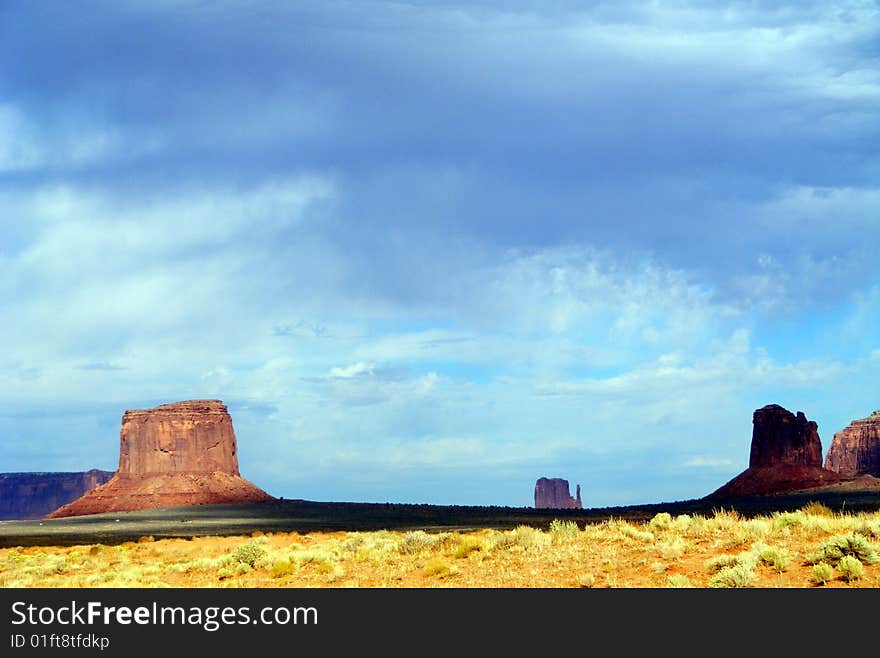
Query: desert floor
column 808, row 548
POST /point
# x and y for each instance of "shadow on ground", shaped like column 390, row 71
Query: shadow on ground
column 310, row 516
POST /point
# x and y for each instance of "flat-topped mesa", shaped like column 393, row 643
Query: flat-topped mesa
column 554, row 493
column 855, row 450
column 33, row 495
column 178, row 454
column 781, row 437
column 194, row 436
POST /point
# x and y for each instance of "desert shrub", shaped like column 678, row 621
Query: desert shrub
column 738, row 575
column 788, row 519
column 249, row 553
column 283, row 568
column 415, row 542
column 868, row 529
column 719, row 562
column 586, row 580
column 206, row 563
column 179, row 567
column 353, row 544
column 334, row 573
column 821, row 525
column 528, row 537
column 772, row 556
column 562, row 531
column 504, row 541
column 746, row 559
column 815, row 508
column 840, row 546
column 698, row 525
column 15, row 557
column 660, row 521
column 445, row 541
column 523, row 538
column 317, row 558
column 723, row 519
column 233, row 569
column 672, row 549
column 678, row 581
column 467, row 546
column 850, row 568
column 822, row 573
column 757, row 528
column 437, row 567
column 681, row 523
column 634, row 533
column 52, row 565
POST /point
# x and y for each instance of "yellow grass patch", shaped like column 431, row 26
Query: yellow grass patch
column 804, row 548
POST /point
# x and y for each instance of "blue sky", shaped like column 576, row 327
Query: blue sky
column 432, row 251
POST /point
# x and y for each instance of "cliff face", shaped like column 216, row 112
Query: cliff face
column 183, row 437
column 781, row 437
column 554, row 493
column 785, row 455
column 33, row 495
column 184, row 453
column 855, row 450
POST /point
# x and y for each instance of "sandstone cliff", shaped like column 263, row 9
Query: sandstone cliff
column 785, row 455
column 183, row 453
column 195, row 436
column 554, row 493
column 33, row 495
column 781, row 437
column 855, row 450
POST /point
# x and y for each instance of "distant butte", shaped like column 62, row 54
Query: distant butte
column 554, row 493
column 183, row 453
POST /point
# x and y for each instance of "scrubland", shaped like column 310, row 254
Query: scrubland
column 812, row 547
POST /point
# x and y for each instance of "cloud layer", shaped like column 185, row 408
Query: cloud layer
column 429, row 252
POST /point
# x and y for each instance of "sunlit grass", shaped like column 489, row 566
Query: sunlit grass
column 803, row 548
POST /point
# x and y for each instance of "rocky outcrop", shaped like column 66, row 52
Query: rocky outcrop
column 554, row 493
column 855, row 450
column 33, row 495
column 781, row 437
column 786, row 455
column 183, row 437
column 184, row 453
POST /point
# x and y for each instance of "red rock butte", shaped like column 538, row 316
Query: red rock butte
column 786, row 456
column 855, row 450
column 183, row 453
column 554, row 493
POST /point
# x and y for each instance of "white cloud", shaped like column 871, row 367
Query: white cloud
column 707, row 462
column 548, row 360
column 354, row 370
column 28, row 144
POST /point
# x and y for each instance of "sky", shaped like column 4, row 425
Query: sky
column 428, row 252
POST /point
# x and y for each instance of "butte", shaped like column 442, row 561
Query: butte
column 786, row 455
column 554, row 493
column 183, row 453
column 855, row 450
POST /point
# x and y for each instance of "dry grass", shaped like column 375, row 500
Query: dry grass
column 722, row 550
